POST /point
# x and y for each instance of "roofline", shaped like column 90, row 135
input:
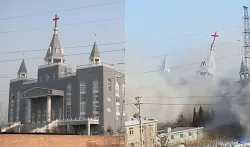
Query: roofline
column 197, row 128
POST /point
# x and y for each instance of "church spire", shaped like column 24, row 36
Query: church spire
column 244, row 71
column 22, row 72
column 95, row 57
column 55, row 53
column 207, row 67
column 165, row 66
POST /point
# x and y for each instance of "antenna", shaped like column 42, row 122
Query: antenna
column 246, row 35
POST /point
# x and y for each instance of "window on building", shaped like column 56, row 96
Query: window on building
column 117, row 89
column 109, row 85
column 54, row 76
column 68, row 111
column 44, row 112
column 83, row 86
column 95, row 96
column 108, row 99
column 117, row 117
column 181, row 135
column 172, row 136
column 38, row 116
column 108, row 110
column 41, row 78
column 143, row 142
column 18, row 105
column 60, row 113
column 118, row 108
column 47, row 77
column 11, row 107
column 189, row 133
column 53, row 114
column 152, row 140
column 83, row 97
column 68, row 101
column 33, row 117
column 131, row 131
column 57, row 49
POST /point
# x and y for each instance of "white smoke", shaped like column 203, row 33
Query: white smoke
column 161, row 90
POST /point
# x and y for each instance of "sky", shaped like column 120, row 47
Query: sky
column 151, row 29
column 78, row 23
column 182, row 30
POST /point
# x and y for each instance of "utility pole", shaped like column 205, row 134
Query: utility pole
column 138, row 105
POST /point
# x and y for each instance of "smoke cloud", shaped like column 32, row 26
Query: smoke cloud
column 223, row 93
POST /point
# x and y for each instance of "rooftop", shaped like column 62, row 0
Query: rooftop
column 134, row 122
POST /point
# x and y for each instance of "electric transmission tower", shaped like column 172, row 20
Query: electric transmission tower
column 246, row 36
column 138, row 105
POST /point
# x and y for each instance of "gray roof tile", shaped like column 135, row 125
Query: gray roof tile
column 22, row 68
column 95, row 52
column 55, row 49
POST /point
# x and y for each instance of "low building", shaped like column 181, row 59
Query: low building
column 180, row 135
column 148, row 132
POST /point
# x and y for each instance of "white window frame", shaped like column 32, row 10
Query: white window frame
column 68, row 101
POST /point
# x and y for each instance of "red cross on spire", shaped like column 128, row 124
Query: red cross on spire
column 214, row 36
column 56, row 20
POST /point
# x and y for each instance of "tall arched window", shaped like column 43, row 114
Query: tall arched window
column 68, row 101
column 83, row 97
column 95, row 97
column 109, row 84
column 18, row 105
column 11, row 107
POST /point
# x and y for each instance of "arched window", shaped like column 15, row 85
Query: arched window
column 95, row 99
column 82, row 86
column 69, row 88
column 109, row 84
column 83, row 97
column 95, row 86
column 68, row 101
column 11, row 107
column 18, row 105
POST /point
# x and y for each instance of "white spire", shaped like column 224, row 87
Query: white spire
column 208, row 67
column 165, row 66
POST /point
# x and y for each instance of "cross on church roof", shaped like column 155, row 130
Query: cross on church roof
column 214, row 36
column 56, row 20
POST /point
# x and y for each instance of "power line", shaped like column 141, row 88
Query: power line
column 32, row 58
column 194, row 96
column 78, row 46
column 63, row 10
column 199, row 104
column 71, row 24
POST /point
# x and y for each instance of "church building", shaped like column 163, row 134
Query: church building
column 88, row 100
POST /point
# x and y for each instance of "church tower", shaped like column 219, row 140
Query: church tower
column 55, row 53
column 165, row 66
column 22, row 72
column 95, row 57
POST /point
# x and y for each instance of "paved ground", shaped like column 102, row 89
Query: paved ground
column 25, row 140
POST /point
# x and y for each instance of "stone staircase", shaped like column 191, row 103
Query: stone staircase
column 44, row 128
column 10, row 127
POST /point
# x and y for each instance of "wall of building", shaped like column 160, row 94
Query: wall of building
column 149, row 133
column 182, row 136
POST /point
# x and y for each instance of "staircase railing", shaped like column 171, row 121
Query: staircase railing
column 44, row 128
column 12, row 126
